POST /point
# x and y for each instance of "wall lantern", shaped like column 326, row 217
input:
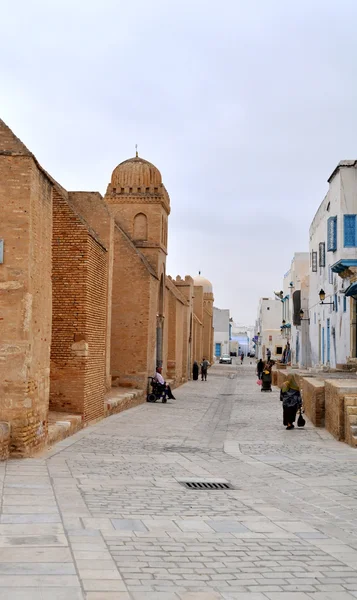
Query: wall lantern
column 301, row 314
column 322, row 297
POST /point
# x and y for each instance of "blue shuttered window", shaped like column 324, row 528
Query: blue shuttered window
column 331, row 234
column 349, row 231
column 344, row 304
column 336, row 303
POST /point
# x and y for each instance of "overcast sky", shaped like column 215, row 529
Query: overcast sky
column 245, row 107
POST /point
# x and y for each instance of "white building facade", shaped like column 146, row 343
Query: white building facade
column 242, row 339
column 268, row 333
column 222, row 331
column 333, row 268
column 295, row 297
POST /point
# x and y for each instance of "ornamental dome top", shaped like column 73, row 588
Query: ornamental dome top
column 198, row 280
column 136, row 172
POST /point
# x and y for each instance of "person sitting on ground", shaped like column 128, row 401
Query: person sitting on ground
column 204, row 368
column 159, row 378
column 291, row 399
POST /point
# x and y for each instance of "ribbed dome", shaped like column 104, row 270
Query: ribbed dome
column 198, row 280
column 136, row 172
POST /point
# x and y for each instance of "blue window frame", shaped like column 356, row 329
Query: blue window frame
column 335, row 303
column 331, row 234
column 349, row 231
column 344, row 304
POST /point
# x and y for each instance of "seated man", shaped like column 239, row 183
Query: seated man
column 159, row 378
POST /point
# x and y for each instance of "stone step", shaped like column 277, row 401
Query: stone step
column 119, row 399
column 62, row 425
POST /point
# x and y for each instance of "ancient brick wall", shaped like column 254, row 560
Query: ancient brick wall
column 80, row 275
column 134, row 307
column 25, row 294
column 91, row 206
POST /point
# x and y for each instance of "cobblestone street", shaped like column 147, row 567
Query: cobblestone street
column 103, row 515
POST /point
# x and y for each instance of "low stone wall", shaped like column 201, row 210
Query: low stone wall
column 335, row 392
column 313, row 395
column 4, row 441
column 282, row 376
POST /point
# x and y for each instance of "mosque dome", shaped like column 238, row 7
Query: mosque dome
column 136, row 172
column 198, row 280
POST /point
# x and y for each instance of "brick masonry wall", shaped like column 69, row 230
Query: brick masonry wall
column 96, row 314
column 313, row 394
column 79, row 315
column 134, row 307
column 4, row 441
column 91, row 206
column 25, row 294
column 335, row 392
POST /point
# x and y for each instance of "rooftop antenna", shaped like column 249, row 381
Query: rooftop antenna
column 136, row 151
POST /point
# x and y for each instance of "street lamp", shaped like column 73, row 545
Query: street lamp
column 301, row 314
column 322, row 297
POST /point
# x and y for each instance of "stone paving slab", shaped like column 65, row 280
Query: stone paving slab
column 103, row 515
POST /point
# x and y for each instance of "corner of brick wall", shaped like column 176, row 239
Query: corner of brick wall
column 4, row 440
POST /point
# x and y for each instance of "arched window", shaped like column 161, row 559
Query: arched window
column 140, row 227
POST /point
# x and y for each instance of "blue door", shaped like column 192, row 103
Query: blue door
column 218, row 349
column 323, row 345
column 328, row 340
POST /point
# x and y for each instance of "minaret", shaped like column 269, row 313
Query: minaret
column 141, row 206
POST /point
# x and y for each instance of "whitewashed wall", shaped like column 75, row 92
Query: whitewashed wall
column 341, row 199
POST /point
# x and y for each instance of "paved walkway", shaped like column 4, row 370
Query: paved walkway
column 103, row 516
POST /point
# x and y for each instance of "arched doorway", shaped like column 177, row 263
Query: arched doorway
column 160, row 323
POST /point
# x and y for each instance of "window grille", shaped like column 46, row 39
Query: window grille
column 331, row 234
column 314, row 262
column 322, row 254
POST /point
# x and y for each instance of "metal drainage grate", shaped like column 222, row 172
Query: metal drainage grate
column 206, row 485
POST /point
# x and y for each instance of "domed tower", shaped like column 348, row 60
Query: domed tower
column 141, row 206
column 204, row 311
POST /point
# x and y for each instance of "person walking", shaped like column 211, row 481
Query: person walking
column 204, row 368
column 241, row 358
column 291, row 399
column 260, row 368
column 268, row 354
column 195, row 371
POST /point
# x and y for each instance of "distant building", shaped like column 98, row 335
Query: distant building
column 267, row 333
column 242, row 339
column 221, row 326
column 296, row 297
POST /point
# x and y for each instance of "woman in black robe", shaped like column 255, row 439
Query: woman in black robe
column 195, row 370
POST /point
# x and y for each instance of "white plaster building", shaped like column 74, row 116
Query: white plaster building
column 242, row 338
column 333, row 267
column 221, row 326
column 267, row 329
column 296, row 297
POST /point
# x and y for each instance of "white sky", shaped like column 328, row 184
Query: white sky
column 245, row 106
